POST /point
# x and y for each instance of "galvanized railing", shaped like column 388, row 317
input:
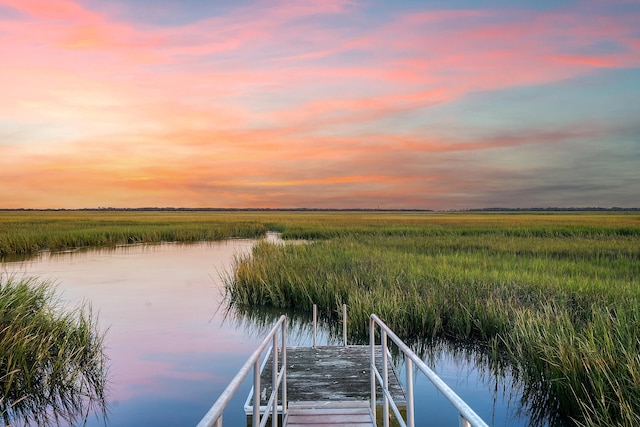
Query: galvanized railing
column 468, row 418
column 279, row 378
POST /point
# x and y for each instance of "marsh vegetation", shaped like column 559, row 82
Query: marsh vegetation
column 558, row 296
column 26, row 233
column 52, row 361
column 554, row 295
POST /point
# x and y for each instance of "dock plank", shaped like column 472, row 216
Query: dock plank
column 309, row 414
column 331, row 373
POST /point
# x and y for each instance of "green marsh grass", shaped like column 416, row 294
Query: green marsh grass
column 27, row 232
column 51, row 358
column 558, row 295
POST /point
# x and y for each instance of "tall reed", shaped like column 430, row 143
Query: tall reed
column 52, row 358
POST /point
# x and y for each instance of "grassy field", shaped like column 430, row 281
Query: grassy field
column 556, row 294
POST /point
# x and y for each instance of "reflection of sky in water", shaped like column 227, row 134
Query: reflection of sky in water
column 468, row 383
column 172, row 354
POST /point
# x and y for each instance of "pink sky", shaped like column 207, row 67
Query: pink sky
column 319, row 104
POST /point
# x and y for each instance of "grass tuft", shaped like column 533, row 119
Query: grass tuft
column 52, row 359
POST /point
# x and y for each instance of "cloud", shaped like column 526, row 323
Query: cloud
column 297, row 103
column 269, row 169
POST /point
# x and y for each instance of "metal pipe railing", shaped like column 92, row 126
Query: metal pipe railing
column 344, row 324
column 468, row 418
column 213, row 417
column 315, row 326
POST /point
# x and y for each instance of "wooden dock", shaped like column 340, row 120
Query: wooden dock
column 329, row 383
column 317, row 414
column 330, row 386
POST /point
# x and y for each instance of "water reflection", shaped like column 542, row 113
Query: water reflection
column 258, row 322
column 489, row 383
column 169, row 353
column 174, row 343
column 529, row 400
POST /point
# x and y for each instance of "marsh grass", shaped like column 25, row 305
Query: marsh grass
column 587, row 369
column 51, row 358
column 555, row 294
column 25, row 233
column 559, row 300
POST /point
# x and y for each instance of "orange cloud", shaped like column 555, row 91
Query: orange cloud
column 277, row 99
column 59, row 10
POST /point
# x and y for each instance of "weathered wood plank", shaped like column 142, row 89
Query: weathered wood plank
column 325, row 416
column 331, row 374
column 309, row 414
column 324, row 404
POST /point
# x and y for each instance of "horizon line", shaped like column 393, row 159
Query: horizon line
column 301, row 209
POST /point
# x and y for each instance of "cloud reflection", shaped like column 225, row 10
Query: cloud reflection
column 159, row 303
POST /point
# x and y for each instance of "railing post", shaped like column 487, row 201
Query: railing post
column 256, row 393
column 385, row 377
column 315, row 325
column 410, row 407
column 284, row 369
column 372, row 365
column 274, row 381
column 344, row 324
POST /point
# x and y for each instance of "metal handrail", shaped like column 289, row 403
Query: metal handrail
column 468, row 418
column 213, row 417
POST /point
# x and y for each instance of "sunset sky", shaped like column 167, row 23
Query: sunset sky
column 319, row 104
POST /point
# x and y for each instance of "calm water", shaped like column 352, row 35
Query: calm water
column 172, row 352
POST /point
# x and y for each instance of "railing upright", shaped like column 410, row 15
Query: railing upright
column 410, row 405
column 372, row 357
column 344, row 324
column 256, row 393
column 274, row 380
column 468, row 418
column 385, row 378
column 284, row 370
column 315, row 326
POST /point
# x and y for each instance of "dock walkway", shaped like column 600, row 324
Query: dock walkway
column 330, row 382
column 332, row 385
column 330, row 373
column 317, row 414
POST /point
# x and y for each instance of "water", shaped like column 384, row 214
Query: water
column 172, row 350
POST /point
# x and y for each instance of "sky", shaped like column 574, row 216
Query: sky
column 365, row 104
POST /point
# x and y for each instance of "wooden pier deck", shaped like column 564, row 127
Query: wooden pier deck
column 330, row 386
column 317, row 414
column 330, row 383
